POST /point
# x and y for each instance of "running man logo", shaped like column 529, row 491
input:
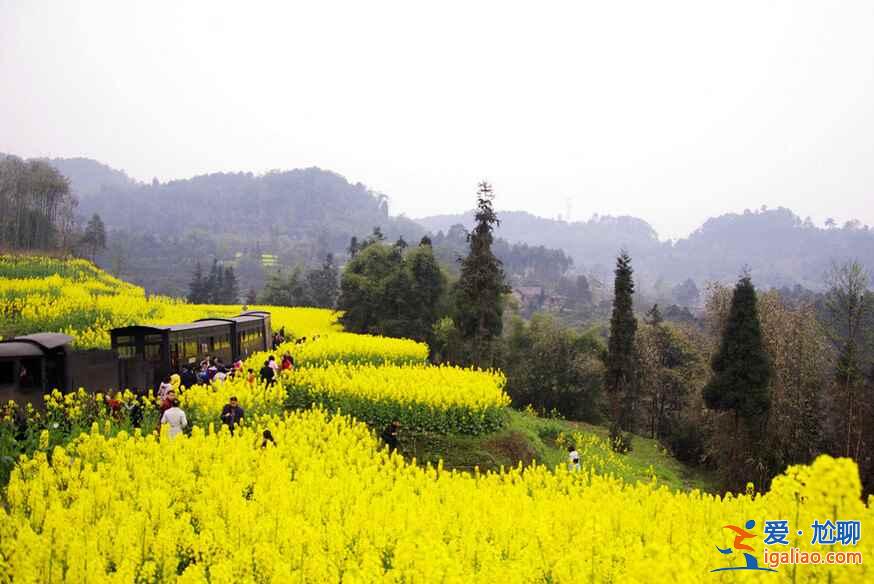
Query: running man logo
column 740, row 535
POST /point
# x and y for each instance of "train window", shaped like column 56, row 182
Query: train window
column 124, row 340
column 174, row 355
column 152, row 352
column 126, row 352
column 154, row 338
column 7, row 372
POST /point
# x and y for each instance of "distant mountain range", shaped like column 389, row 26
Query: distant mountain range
column 302, row 214
column 777, row 246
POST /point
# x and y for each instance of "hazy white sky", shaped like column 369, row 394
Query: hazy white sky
column 669, row 111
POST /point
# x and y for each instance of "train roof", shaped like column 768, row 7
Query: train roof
column 200, row 324
column 239, row 319
column 34, row 345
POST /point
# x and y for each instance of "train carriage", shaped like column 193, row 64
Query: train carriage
column 148, row 353
column 32, row 365
column 249, row 333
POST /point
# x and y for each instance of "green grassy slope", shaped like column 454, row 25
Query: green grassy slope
column 528, row 438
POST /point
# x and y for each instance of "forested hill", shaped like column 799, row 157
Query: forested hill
column 277, row 208
column 157, row 231
column 89, row 177
column 779, row 247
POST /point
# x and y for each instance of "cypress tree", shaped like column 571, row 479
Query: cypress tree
column 741, row 367
column 479, row 302
column 230, row 288
column 621, row 377
column 196, row 287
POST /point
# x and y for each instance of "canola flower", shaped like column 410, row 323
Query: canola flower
column 356, row 349
column 435, row 398
column 78, row 299
column 325, row 504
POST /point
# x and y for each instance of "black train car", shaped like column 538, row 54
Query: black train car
column 32, row 365
column 146, row 354
column 250, row 332
column 268, row 331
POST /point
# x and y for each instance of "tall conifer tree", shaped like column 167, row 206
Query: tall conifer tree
column 479, row 303
column 621, row 357
column 741, row 367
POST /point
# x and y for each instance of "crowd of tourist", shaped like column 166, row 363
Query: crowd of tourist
column 212, row 371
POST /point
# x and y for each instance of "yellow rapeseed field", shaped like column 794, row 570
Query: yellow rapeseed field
column 76, row 298
column 326, row 505
column 357, row 349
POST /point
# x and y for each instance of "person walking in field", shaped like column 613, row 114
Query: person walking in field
column 390, row 436
column 267, row 437
column 175, row 419
column 232, row 413
column 165, row 388
column 267, row 374
column 573, row 459
column 167, row 401
column 287, row 363
column 189, row 377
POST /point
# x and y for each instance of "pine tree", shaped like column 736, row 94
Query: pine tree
column 621, row 377
column 197, row 287
column 94, row 238
column 324, row 283
column 479, row 303
column 741, row 367
column 654, row 316
column 230, row 289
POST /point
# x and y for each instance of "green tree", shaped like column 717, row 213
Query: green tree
column 197, row 293
column 552, row 368
column 428, row 288
column 94, row 238
column 845, row 301
column 35, row 201
column 230, row 289
column 622, row 366
column 323, row 283
column 479, row 292
column 387, row 291
column 280, row 290
column 741, row 367
column 365, row 298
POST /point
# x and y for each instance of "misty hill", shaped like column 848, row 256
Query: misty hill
column 157, row 231
column 780, row 248
column 89, row 177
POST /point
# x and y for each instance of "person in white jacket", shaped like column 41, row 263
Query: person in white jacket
column 175, row 418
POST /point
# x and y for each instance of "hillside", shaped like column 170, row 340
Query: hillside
column 158, row 230
column 474, row 492
column 779, row 247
